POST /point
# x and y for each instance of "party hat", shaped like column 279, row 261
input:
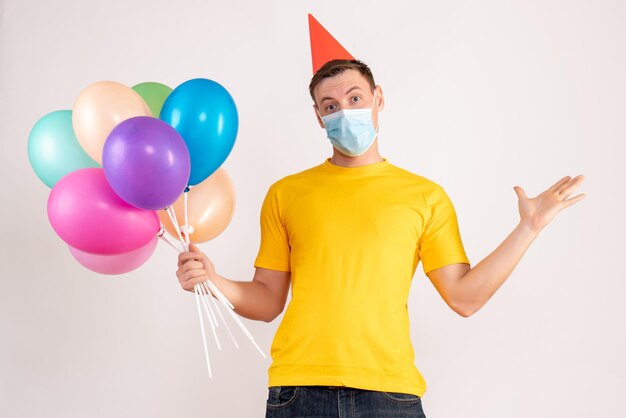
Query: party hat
column 324, row 47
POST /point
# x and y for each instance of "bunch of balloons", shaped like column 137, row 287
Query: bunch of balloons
column 125, row 160
column 123, row 163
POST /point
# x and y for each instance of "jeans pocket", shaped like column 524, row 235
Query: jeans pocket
column 402, row 397
column 281, row 396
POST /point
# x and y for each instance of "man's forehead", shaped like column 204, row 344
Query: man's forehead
column 341, row 83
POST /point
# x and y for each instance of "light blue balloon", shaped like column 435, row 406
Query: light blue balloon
column 53, row 149
column 205, row 116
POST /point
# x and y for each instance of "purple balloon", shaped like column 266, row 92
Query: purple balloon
column 146, row 162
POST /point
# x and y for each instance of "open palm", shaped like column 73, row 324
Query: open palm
column 538, row 211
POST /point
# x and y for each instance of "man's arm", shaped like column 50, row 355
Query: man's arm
column 467, row 289
column 261, row 299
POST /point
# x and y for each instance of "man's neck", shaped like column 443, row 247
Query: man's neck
column 370, row 157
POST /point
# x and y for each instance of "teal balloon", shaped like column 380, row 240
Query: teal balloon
column 53, row 149
column 205, row 115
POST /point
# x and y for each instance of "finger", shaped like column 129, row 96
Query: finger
column 191, row 265
column 183, row 262
column 191, row 283
column 558, row 184
column 194, row 248
column 192, row 274
column 569, row 187
column 186, row 256
column 573, row 200
column 520, row 192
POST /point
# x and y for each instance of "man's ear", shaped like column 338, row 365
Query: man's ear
column 317, row 115
column 380, row 98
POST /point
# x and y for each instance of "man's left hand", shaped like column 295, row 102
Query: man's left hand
column 538, row 211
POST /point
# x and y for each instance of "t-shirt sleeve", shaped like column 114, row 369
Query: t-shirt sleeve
column 274, row 252
column 440, row 244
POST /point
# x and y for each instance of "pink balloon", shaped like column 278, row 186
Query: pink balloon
column 117, row 263
column 87, row 214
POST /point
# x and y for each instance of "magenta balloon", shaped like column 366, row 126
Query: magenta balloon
column 116, row 263
column 146, row 162
column 88, row 215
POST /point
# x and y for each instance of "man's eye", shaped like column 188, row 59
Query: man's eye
column 330, row 108
column 356, row 98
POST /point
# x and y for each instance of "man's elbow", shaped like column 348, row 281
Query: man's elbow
column 273, row 315
column 269, row 318
column 465, row 314
column 465, row 310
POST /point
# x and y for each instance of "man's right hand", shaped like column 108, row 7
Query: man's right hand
column 261, row 299
column 194, row 267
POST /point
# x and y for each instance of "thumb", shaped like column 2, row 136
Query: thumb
column 194, row 248
column 520, row 192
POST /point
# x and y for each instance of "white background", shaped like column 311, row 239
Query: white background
column 480, row 97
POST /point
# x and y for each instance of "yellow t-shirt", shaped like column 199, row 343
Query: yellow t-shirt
column 352, row 239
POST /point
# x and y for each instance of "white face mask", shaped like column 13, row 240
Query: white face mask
column 351, row 130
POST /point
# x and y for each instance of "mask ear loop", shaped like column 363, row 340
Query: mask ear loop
column 320, row 116
column 374, row 105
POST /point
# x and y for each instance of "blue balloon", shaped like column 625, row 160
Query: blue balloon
column 205, row 116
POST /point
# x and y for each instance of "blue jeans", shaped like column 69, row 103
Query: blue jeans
column 340, row 402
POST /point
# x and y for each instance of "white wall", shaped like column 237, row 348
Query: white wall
column 480, row 97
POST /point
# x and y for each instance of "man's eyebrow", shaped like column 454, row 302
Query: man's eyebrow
column 351, row 88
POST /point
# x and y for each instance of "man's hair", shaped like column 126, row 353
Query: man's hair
column 335, row 67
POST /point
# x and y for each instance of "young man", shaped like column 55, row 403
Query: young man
column 348, row 235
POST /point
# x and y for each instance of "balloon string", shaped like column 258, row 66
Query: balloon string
column 186, row 215
column 208, row 293
column 206, row 350
column 220, row 296
column 172, row 215
column 167, row 240
column 210, row 315
column 204, row 292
